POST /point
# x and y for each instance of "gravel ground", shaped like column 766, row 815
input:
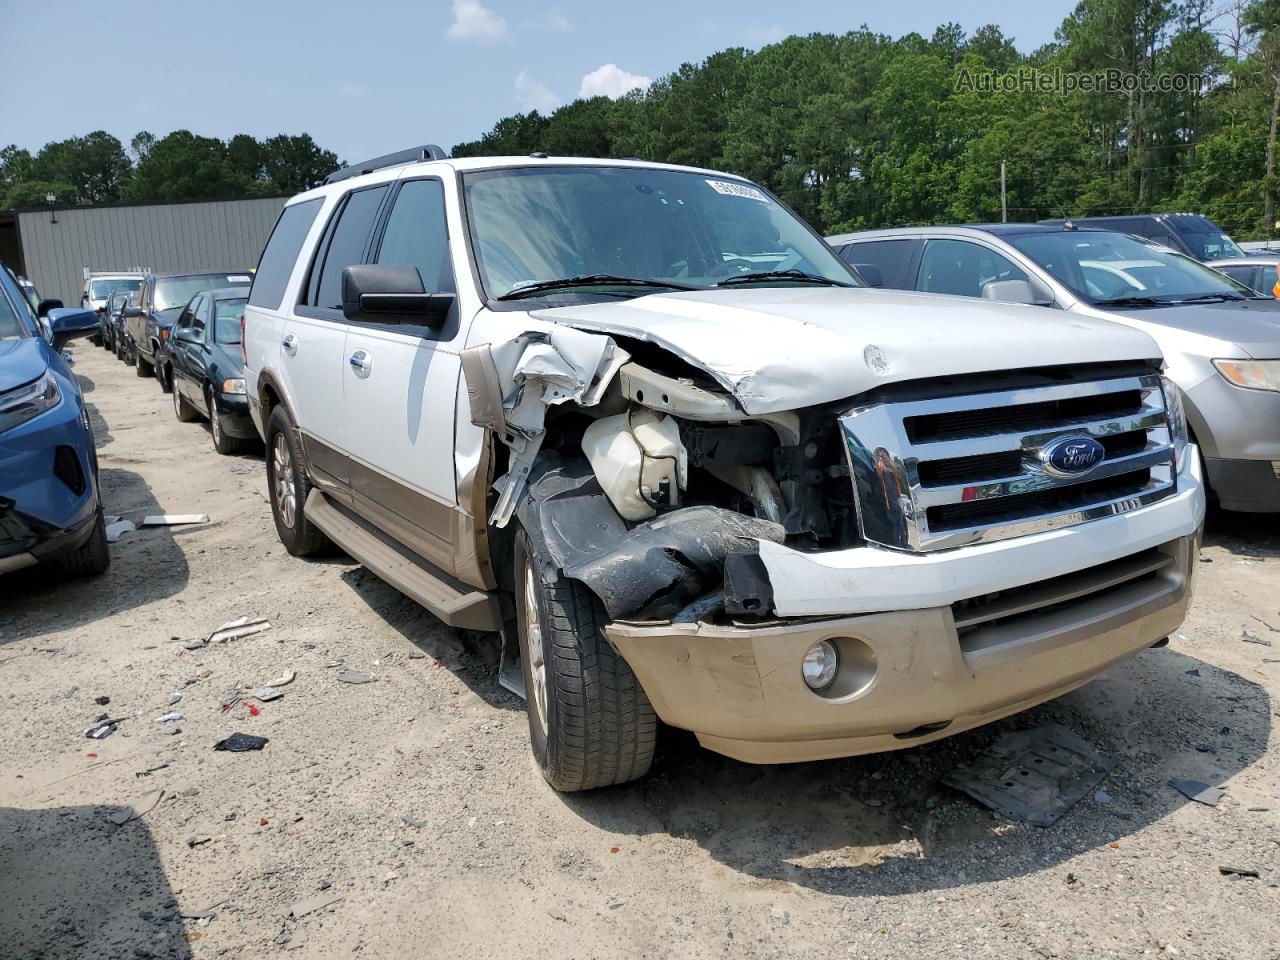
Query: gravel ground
column 412, row 798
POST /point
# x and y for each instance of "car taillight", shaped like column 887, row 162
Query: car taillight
column 244, row 352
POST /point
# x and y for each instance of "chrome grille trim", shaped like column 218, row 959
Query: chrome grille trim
column 894, row 505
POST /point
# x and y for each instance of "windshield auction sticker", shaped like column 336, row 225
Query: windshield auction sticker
column 730, row 189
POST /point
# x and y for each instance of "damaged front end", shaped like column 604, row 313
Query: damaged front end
column 634, row 473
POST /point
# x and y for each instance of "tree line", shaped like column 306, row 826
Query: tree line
column 861, row 130
column 97, row 168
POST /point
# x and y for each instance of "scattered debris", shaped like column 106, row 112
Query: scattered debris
column 102, row 701
column 119, row 528
column 237, row 629
column 267, row 694
column 1102, row 797
column 101, row 731
column 1193, row 673
column 312, row 904
column 240, row 742
column 1197, row 791
column 206, row 914
column 283, row 680
column 354, row 676
column 174, row 519
column 175, row 697
column 1265, row 624
column 1033, row 775
column 170, row 718
column 193, row 841
column 1248, row 637
column 414, row 821
column 149, row 771
column 1238, row 872
column 140, row 808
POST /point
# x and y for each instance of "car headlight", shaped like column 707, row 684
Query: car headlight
column 1251, row 374
column 23, row 403
column 233, row 386
column 1179, row 433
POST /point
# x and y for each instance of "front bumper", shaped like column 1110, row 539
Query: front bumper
column 906, row 677
column 235, row 418
column 1250, row 486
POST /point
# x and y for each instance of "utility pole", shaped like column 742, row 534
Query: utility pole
column 1004, row 197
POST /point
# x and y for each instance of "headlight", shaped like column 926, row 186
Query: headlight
column 233, row 386
column 21, row 404
column 820, row 664
column 1178, row 432
column 1251, row 374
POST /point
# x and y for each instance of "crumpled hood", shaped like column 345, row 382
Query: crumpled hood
column 780, row 348
column 1253, row 324
column 166, row 318
column 21, row 361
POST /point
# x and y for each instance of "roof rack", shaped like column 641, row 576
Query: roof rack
column 428, row 151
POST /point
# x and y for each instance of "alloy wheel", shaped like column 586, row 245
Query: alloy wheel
column 285, row 492
column 533, row 647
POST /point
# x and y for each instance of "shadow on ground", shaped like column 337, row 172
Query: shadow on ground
column 1243, row 534
column 883, row 824
column 74, row 884
column 146, row 565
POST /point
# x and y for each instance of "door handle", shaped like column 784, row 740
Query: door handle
column 361, row 363
column 290, row 344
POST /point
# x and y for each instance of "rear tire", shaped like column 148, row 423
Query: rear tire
column 286, row 475
column 224, row 444
column 93, row 557
column 184, row 411
column 590, row 723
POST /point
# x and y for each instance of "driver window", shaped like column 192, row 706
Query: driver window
column 200, row 315
column 961, row 268
column 184, row 318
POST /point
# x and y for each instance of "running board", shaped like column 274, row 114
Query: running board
column 466, row 609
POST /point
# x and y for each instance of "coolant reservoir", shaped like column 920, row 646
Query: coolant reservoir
column 632, row 455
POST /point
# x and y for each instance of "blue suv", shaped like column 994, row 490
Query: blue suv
column 50, row 509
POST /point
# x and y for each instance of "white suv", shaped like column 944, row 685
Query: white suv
column 643, row 423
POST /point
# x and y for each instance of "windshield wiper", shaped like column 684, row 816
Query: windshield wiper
column 1133, row 302
column 796, row 275
column 590, row 280
column 1212, row 298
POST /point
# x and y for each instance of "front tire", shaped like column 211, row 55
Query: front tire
column 590, row 723
column 165, row 375
column 184, row 411
column 142, row 367
column 289, row 487
column 92, row 558
column 224, row 444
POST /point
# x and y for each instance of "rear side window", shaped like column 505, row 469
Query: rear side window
column 348, row 241
column 891, row 259
column 416, row 235
column 962, row 269
column 281, row 253
column 1250, row 276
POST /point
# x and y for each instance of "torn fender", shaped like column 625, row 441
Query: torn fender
column 510, row 386
column 650, row 571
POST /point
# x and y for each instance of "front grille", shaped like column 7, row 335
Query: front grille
column 948, row 471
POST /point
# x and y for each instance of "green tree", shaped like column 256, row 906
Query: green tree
column 95, row 165
column 295, row 163
column 183, row 166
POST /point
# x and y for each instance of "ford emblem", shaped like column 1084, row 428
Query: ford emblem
column 1072, row 456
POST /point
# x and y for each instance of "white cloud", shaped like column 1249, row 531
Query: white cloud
column 532, row 95
column 472, row 21
column 611, row 81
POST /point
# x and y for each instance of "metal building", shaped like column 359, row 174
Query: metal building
column 54, row 247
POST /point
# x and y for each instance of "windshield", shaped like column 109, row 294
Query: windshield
column 226, row 321
column 103, row 289
column 1205, row 240
column 174, row 292
column 536, row 225
column 1102, row 267
column 11, row 328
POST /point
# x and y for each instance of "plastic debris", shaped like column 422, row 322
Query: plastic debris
column 102, row 701
column 1033, row 775
column 1102, row 797
column 174, row 697
column 149, row 771
column 238, row 628
column 140, row 808
column 312, row 904
column 1197, row 791
column 267, row 694
column 1248, row 637
column 170, row 718
column 1239, row 872
column 240, row 742
column 174, row 519
column 283, row 680
column 119, row 528
column 354, row 676
column 205, row 914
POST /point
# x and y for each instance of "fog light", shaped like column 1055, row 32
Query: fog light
column 820, row 665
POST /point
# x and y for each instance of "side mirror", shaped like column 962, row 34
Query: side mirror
column 68, row 324
column 870, row 273
column 131, row 312
column 384, row 293
column 1011, row 291
column 42, row 310
column 185, row 334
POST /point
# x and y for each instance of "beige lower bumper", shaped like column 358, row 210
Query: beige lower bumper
column 906, row 677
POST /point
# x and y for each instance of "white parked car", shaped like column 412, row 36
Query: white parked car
column 644, row 424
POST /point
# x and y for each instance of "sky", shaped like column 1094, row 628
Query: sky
column 370, row 77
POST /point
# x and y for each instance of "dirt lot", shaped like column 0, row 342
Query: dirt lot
column 413, row 797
